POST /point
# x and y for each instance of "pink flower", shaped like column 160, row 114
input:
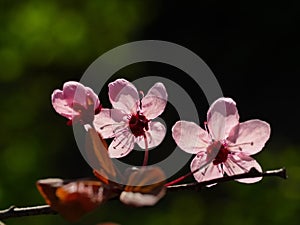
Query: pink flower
column 226, row 145
column 76, row 102
column 130, row 120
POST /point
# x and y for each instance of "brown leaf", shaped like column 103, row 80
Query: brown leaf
column 145, row 187
column 74, row 199
column 96, row 149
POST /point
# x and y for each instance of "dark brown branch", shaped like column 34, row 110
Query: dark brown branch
column 26, row 211
column 251, row 174
column 45, row 209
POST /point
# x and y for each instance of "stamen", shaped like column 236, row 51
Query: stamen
column 129, row 140
column 115, row 140
column 229, row 166
column 238, row 145
column 241, row 144
column 119, row 130
column 112, row 124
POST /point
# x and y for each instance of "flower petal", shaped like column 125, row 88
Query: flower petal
column 251, row 136
column 241, row 163
column 190, row 137
column 122, row 144
column 208, row 173
column 73, row 93
column 154, row 103
column 155, row 135
column 222, row 116
column 124, row 96
column 61, row 105
column 109, row 121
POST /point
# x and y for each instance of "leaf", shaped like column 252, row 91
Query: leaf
column 145, row 187
column 96, row 149
column 74, row 199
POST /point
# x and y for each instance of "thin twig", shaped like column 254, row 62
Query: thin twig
column 45, row 209
column 26, row 211
column 251, row 174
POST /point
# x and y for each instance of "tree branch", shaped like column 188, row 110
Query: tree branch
column 45, row 209
column 251, row 174
column 26, row 211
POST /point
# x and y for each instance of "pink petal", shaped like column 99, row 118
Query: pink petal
column 222, row 116
column 124, row 96
column 190, row 137
column 72, row 93
column 91, row 93
column 207, row 173
column 75, row 92
column 154, row 103
column 61, row 105
column 109, row 121
column 251, row 136
column 155, row 135
column 241, row 163
column 122, row 144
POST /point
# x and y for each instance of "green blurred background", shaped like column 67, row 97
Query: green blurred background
column 252, row 47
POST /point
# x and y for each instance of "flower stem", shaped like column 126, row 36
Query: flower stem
column 146, row 155
column 186, row 175
column 178, row 179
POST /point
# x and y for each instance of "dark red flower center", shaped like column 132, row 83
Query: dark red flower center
column 222, row 150
column 138, row 124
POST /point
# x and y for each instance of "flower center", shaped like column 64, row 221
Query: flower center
column 138, row 124
column 222, row 150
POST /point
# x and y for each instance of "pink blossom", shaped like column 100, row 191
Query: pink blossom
column 130, row 120
column 76, row 102
column 226, row 145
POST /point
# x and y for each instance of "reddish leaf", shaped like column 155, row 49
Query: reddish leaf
column 74, row 199
column 145, row 187
column 96, row 149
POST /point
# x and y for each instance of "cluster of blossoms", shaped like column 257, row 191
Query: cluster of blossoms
column 224, row 146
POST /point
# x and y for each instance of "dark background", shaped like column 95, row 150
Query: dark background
column 251, row 46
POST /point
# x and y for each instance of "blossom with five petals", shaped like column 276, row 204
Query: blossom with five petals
column 130, row 119
column 76, row 102
column 225, row 146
